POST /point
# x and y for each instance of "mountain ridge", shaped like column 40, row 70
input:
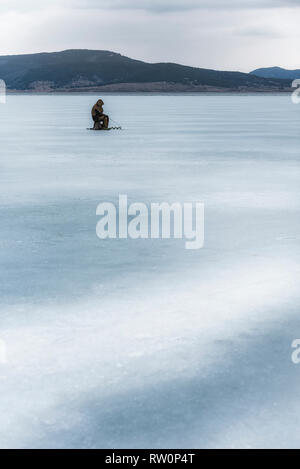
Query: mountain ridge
column 86, row 70
column 276, row 73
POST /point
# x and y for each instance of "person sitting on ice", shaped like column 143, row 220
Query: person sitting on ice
column 101, row 120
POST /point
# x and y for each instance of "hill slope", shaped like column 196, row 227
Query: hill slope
column 85, row 69
column 277, row 73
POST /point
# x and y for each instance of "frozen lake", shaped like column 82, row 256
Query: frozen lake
column 141, row 343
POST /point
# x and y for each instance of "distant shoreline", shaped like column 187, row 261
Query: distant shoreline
column 151, row 87
column 88, row 71
column 106, row 90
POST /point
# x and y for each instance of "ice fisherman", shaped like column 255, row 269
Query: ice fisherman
column 101, row 120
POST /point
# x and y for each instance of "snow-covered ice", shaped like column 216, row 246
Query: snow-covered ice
column 141, row 343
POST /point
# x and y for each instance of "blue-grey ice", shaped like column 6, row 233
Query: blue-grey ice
column 141, row 343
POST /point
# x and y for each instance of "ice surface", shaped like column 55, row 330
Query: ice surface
column 128, row 344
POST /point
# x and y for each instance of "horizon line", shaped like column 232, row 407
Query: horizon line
column 140, row 60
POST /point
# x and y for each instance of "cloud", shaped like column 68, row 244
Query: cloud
column 165, row 5
column 260, row 31
column 223, row 34
column 147, row 5
column 179, row 5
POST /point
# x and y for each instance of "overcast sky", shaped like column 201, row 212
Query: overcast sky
column 220, row 34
